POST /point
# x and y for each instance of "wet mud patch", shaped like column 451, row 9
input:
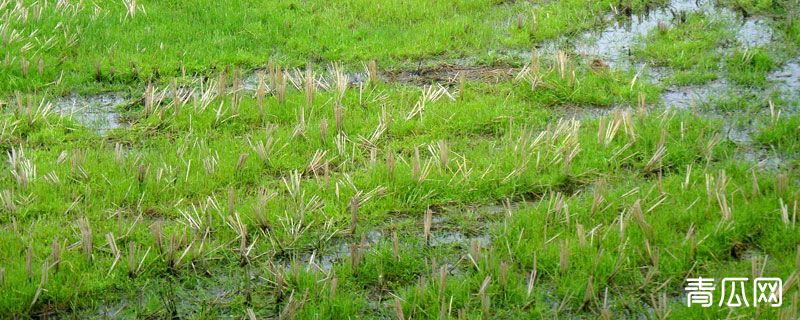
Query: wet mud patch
column 189, row 298
column 97, row 112
column 450, row 74
column 747, row 150
column 763, row 158
column 576, row 112
column 463, row 226
column 338, row 251
column 455, row 227
column 689, row 97
column 441, row 73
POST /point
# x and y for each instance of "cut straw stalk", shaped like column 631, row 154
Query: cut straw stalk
column 86, row 236
column 134, row 266
column 581, row 233
column 42, row 280
column 562, row 61
column 29, row 261
column 444, row 158
column 398, row 309
column 390, row 164
column 638, row 216
column 338, row 116
column 563, row 257
column 260, row 209
column 396, row 247
column 334, row 285
column 341, row 80
column 24, row 66
column 355, row 256
column 323, row 131
column 260, row 92
column 797, row 258
column 781, row 183
column 373, row 72
column 309, row 85
column 426, row 225
column 605, row 310
column 242, row 159
column 484, row 296
column 222, row 85
column 442, row 287
column 532, row 276
column 40, row 67
column 354, row 206
column 293, row 306
column 415, row 164
column 55, row 254
column 691, row 235
column 502, row 277
column 112, row 244
column 156, row 230
column 177, row 101
column 588, row 295
column 236, row 82
column 280, row 78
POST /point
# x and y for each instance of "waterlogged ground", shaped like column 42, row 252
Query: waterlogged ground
column 473, row 159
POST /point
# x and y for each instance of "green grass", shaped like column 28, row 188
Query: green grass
column 164, row 172
column 100, row 47
column 213, row 206
column 749, row 67
column 782, row 134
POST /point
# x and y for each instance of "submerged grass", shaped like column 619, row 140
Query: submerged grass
column 749, row 67
column 782, row 134
column 109, row 45
column 689, row 47
column 313, row 196
column 79, row 46
column 215, row 205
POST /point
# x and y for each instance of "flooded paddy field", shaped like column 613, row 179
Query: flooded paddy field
column 403, row 160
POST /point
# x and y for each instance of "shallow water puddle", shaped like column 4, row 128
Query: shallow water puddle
column 443, row 233
column 97, row 112
column 787, row 79
column 614, row 44
column 754, row 33
column 451, row 74
column 763, row 159
column 336, row 253
column 742, row 136
column 456, row 237
column 692, row 96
